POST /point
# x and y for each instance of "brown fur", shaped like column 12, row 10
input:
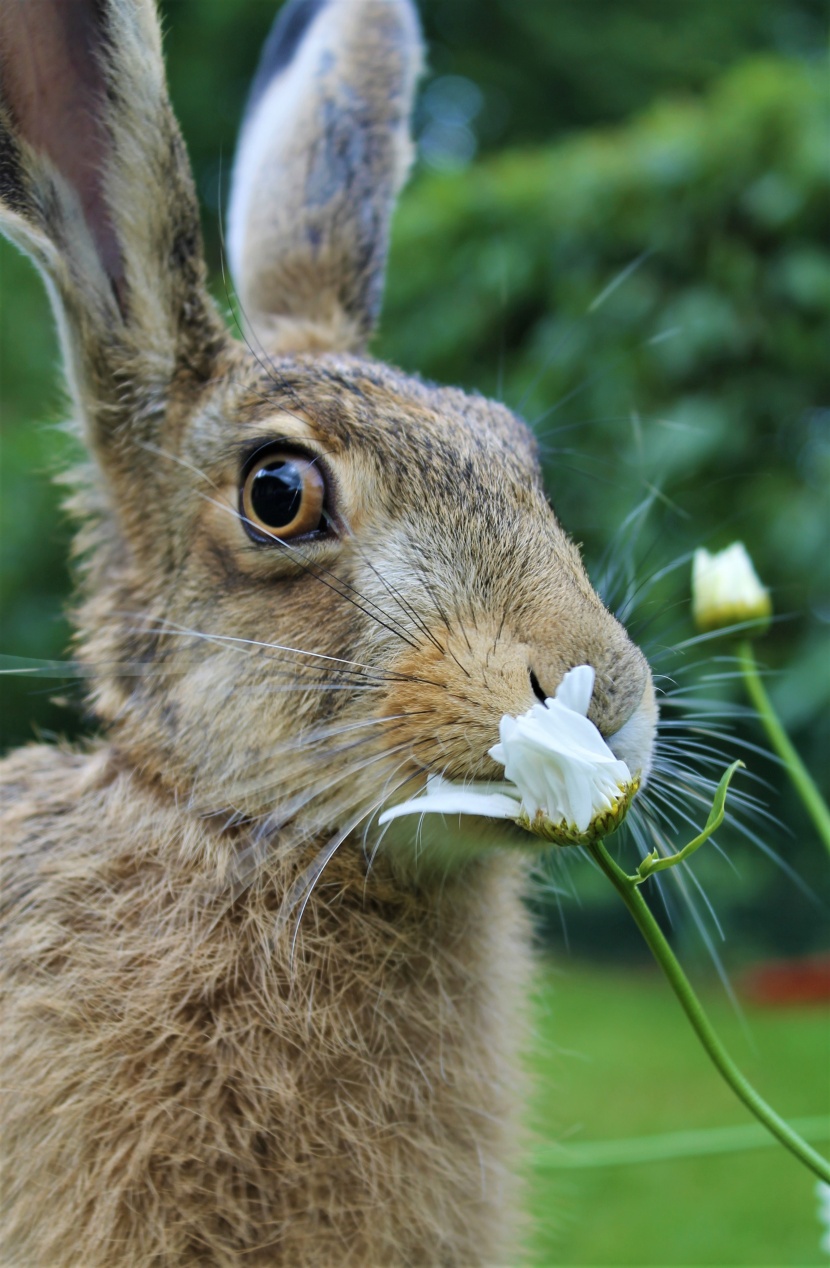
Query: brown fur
column 241, row 1026
column 189, row 1090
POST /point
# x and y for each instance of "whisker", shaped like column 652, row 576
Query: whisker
column 315, row 571
column 375, row 673
column 306, row 884
column 406, row 607
column 297, row 803
column 172, row 457
column 422, row 577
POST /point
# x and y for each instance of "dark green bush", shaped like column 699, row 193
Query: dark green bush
column 547, row 66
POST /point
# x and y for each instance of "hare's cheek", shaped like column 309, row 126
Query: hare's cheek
column 448, row 698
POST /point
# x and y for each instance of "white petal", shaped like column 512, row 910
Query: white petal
column 444, row 797
column 576, row 688
column 557, row 758
column 556, row 765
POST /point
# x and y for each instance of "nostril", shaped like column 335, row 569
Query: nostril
column 537, row 688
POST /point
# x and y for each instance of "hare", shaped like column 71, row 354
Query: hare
column 240, row 1024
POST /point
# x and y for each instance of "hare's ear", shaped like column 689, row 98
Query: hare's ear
column 95, row 186
column 323, row 152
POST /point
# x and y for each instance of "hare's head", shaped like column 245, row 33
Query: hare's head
column 309, row 577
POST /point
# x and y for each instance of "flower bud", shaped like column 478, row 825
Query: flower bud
column 726, row 590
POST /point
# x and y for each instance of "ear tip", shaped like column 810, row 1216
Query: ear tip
column 293, row 21
column 284, row 38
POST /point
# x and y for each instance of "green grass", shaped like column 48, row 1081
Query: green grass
column 614, row 1059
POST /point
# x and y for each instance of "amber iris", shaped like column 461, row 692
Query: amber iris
column 282, row 497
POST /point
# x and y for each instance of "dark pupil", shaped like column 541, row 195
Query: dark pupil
column 277, row 493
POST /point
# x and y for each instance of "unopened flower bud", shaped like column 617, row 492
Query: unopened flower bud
column 726, row 590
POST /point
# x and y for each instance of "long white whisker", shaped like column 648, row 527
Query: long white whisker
column 314, row 873
column 298, row 802
column 172, row 457
column 231, row 639
column 315, row 571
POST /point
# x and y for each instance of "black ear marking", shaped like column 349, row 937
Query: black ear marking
column 284, row 38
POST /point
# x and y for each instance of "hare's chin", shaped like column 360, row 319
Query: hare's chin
column 634, row 742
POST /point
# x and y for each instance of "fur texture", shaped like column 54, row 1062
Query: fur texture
column 191, row 1088
column 240, row 1025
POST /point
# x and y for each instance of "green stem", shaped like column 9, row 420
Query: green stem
column 657, row 862
column 781, row 742
column 626, row 887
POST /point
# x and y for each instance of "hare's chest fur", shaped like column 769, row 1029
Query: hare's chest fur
column 194, row 1082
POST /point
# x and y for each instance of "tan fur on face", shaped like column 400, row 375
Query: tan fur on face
column 238, row 1026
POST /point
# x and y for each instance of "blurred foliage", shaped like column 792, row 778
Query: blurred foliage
column 543, row 67
column 547, row 66
column 653, row 295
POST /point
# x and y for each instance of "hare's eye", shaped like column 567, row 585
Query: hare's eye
column 282, row 496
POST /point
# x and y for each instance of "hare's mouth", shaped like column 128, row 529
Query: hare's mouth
column 561, row 780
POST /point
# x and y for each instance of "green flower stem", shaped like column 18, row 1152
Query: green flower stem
column 626, row 887
column 807, row 790
column 656, row 862
column 707, row 1142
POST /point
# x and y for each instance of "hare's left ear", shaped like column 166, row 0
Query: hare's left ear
column 95, row 185
column 323, row 152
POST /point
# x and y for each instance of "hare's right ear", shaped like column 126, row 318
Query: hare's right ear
column 323, row 152
column 95, row 185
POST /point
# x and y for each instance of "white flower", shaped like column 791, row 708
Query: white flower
column 726, row 589
column 563, row 782
column 442, row 796
column 557, row 758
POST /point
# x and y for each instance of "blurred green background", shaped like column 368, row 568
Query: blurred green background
column 617, row 1068
column 617, row 224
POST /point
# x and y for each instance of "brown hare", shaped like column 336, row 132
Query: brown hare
column 241, row 1025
